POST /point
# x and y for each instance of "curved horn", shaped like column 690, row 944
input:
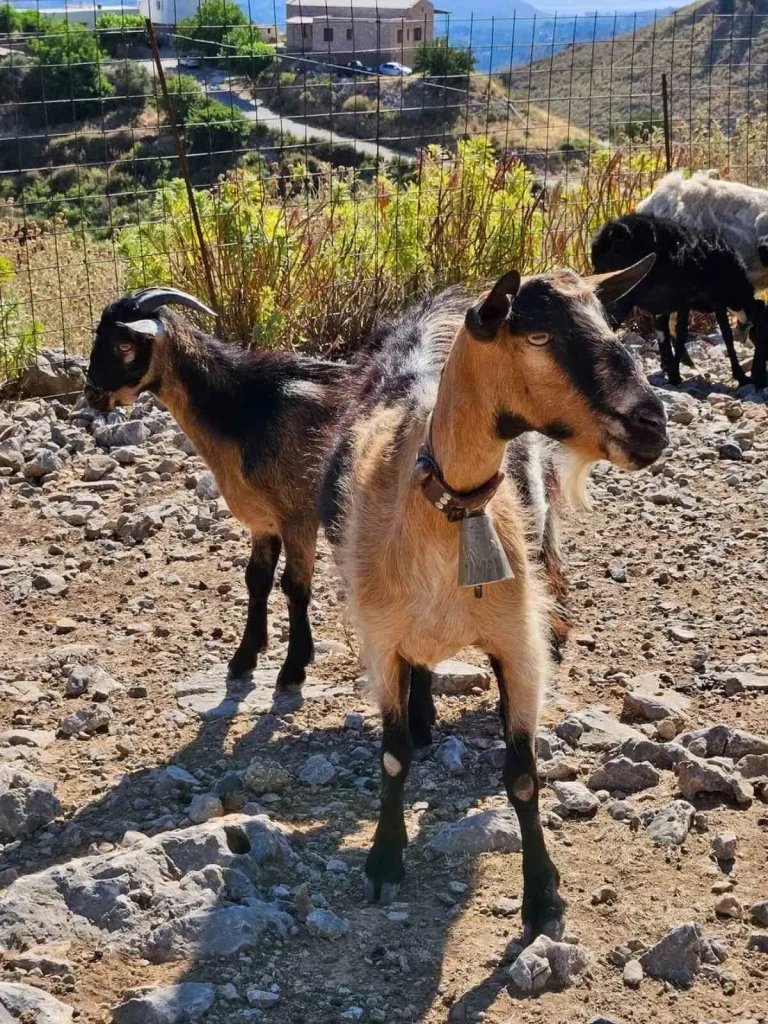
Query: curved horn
column 151, row 299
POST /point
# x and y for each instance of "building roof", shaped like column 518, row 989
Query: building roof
column 381, row 5
column 299, row 21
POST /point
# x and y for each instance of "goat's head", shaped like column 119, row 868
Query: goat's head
column 121, row 356
column 563, row 372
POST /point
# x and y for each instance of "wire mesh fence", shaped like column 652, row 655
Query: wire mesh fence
column 342, row 156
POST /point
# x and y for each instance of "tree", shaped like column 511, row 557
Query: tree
column 439, row 59
column 213, row 126
column 185, row 93
column 9, row 19
column 244, row 53
column 13, row 70
column 213, row 20
column 115, row 29
column 69, row 69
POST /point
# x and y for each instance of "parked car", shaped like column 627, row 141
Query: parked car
column 393, row 68
column 356, row 67
column 191, row 62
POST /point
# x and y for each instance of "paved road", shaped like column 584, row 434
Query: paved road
column 219, row 86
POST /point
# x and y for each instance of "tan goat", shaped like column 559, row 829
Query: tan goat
column 424, row 441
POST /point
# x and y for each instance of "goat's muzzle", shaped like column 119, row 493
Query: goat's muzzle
column 97, row 398
column 646, row 432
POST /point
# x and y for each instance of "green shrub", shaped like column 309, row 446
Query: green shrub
column 68, row 67
column 19, row 335
column 212, row 126
column 360, row 103
column 439, row 59
column 130, row 79
column 9, row 19
column 116, row 29
column 243, row 52
column 13, row 70
column 185, row 93
column 213, row 20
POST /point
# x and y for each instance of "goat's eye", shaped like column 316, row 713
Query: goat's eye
column 538, row 339
column 124, row 347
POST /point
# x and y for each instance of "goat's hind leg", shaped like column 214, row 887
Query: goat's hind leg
column 296, row 583
column 384, row 868
column 543, row 909
column 725, row 329
column 259, row 576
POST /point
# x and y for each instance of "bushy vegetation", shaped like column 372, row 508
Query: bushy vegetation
column 244, row 53
column 116, row 30
column 20, row 336
column 68, row 76
column 315, row 273
column 438, row 59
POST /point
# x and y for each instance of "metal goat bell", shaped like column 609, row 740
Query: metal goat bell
column 482, row 558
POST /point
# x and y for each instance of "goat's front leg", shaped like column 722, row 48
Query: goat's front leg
column 665, row 347
column 759, row 375
column 296, row 583
column 259, row 575
column 681, row 341
column 543, row 909
column 421, row 707
column 384, row 868
column 725, row 329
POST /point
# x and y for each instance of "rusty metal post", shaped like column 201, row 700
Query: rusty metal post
column 204, row 255
column 667, row 127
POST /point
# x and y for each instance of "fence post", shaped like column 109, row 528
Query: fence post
column 204, row 255
column 667, row 128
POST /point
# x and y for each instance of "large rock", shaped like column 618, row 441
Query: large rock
column 27, row 1005
column 624, row 774
column 695, row 776
column 27, row 802
column 545, row 965
column 485, row 832
column 455, row 677
column 648, row 700
column 86, row 721
column 54, row 372
column 660, row 755
column 176, row 1004
column 576, row 798
column 211, row 694
column 179, row 878
column 594, row 729
column 317, row 771
column 118, row 435
column 216, row 932
column 753, row 766
column 724, row 741
column 669, row 825
column 676, row 957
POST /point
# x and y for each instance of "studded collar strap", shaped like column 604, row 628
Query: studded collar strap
column 453, row 504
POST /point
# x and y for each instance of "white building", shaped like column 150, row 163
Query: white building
column 168, row 12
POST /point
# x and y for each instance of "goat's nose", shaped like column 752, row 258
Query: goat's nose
column 649, row 416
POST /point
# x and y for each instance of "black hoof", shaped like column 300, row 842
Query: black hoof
column 545, row 918
column 421, row 735
column 290, row 678
column 760, row 382
column 688, row 361
column 242, row 664
column 674, row 378
column 384, row 871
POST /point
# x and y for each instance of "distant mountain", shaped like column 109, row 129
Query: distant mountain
column 714, row 53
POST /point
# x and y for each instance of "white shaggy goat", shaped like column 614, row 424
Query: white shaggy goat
column 705, row 202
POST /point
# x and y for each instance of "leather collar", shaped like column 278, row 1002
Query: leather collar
column 453, row 504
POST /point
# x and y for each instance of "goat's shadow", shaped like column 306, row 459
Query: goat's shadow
column 333, row 832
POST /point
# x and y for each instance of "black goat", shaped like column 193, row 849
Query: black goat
column 693, row 270
column 257, row 418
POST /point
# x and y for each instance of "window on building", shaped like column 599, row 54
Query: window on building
column 159, row 5
column 327, row 35
column 350, row 34
column 399, row 35
column 417, row 35
column 306, row 31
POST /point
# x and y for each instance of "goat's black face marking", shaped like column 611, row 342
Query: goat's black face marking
column 120, row 359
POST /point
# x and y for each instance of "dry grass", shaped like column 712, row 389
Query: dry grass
column 64, row 278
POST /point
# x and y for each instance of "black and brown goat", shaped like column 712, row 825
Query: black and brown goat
column 258, row 419
column 432, row 413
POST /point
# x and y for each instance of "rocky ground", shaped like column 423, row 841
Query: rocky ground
column 163, row 829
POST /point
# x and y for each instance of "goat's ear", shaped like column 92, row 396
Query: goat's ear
column 609, row 288
column 484, row 319
column 143, row 330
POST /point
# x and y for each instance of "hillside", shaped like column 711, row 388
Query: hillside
column 714, row 53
